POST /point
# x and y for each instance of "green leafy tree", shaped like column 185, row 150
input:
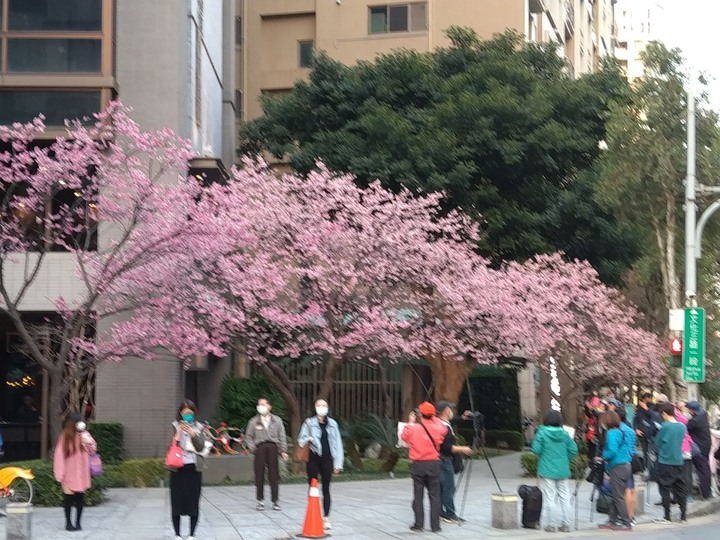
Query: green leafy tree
column 641, row 179
column 499, row 126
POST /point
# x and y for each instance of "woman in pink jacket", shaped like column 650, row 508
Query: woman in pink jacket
column 686, row 450
column 72, row 467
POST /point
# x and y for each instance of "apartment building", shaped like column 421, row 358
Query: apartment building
column 174, row 63
column 639, row 22
column 275, row 38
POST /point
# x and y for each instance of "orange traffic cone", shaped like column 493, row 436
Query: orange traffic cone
column 313, row 527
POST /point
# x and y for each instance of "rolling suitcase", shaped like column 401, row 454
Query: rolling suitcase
column 532, row 500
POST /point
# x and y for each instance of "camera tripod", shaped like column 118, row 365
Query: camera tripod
column 478, row 426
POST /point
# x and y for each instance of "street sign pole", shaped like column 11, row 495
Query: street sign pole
column 693, row 364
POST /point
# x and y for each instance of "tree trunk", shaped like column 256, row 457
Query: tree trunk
column 449, row 376
column 277, row 377
column 387, row 401
column 56, row 402
column 331, row 370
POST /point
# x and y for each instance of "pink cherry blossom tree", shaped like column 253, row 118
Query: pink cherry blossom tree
column 113, row 203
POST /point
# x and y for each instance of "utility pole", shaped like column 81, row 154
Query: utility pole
column 690, row 218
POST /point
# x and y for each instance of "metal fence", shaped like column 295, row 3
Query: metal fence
column 357, row 389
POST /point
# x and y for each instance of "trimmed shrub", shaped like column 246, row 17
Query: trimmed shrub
column 512, row 440
column 578, row 465
column 529, row 463
column 110, row 441
column 137, row 473
column 47, row 490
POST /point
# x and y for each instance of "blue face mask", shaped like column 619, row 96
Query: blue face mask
column 188, row 417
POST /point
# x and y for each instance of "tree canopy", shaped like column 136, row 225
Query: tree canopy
column 499, row 126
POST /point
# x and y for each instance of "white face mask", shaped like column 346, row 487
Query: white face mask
column 81, row 426
column 262, row 409
column 321, row 411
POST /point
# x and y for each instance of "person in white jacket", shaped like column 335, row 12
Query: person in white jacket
column 326, row 451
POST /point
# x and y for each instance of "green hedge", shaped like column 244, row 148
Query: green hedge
column 110, row 441
column 47, row 490
column 137, row 473
column 512, row 440
column 578, row 466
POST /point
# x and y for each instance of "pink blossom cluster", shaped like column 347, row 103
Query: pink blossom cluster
column 294, row 266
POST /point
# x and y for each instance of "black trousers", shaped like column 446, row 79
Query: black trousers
column 702, row 468
column 672, row 484
column 321, row 466
column 426, row 475
column 266, row 457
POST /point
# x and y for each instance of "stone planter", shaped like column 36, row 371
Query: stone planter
column 236, row 468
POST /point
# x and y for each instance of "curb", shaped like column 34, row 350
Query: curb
column 704, row 508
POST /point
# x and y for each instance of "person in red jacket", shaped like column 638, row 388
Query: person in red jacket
column 424, row 436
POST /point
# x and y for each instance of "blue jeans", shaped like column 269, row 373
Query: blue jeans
column 447, row 488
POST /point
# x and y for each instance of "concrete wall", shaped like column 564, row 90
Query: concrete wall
column 57, row 277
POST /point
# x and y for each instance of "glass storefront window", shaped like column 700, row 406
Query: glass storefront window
column 24, row 105
column 53, row 55
column 72, row 15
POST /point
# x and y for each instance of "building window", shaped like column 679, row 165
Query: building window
column 66, row 15
column 24, row 105
column 53, row 55
column 398, row 18
column 305, row 53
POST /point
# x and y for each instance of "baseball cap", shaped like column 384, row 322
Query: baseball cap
column 426, row 408
column 661, row 398
column 440, row 406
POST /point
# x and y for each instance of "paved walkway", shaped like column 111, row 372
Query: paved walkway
column 372, row 510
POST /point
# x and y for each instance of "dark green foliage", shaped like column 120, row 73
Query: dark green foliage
column 498, row 125
column 47, row 490
column 367, row 429
column 238, row 399
column 137, row 473
column 512, row 440
column 496, row 396
column 110, row 441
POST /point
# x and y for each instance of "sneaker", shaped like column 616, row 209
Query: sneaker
column 662, row 521
column 622, row 527
column 326, row 523
column 276, row 507
column 550, row 528
column 633, row 522
column 190, row 538
column 70, row 527
column 260, row 506
column 437, row 531
column 609, row 525
column 564, row 528
column 178, row 538
column 452, row 519
column 416, row 528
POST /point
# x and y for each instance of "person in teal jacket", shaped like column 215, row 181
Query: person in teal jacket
column 555, row 449
column 619, row 448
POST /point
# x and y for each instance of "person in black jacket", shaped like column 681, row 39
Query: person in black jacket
column 447, row 449
column 646, row 424
column 699, row 429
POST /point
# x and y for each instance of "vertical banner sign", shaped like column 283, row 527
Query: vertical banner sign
column 693, row 364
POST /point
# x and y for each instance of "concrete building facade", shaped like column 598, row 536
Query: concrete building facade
column 276, row 37
column 639, row 22
column 174, row 63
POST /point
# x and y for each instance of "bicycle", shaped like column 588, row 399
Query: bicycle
column 16, row 485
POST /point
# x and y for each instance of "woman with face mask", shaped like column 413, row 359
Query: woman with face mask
column 72, row 468
column 326, row 451
column 186, row 482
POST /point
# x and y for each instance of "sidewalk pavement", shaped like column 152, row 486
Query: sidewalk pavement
column 367, row 510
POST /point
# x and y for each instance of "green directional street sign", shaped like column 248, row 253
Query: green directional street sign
column 693, row 364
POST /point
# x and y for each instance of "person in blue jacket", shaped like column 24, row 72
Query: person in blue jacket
column 618, row 452
column 555, row 449
column 326, row 451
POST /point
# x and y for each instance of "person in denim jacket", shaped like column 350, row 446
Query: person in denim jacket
column 326, row 451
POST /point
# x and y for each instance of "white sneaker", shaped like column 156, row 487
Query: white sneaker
column 178, row 538
column 190, row 538
column 326, row 523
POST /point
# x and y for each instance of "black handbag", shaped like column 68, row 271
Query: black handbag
column 602, row 506
column 458, row 463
